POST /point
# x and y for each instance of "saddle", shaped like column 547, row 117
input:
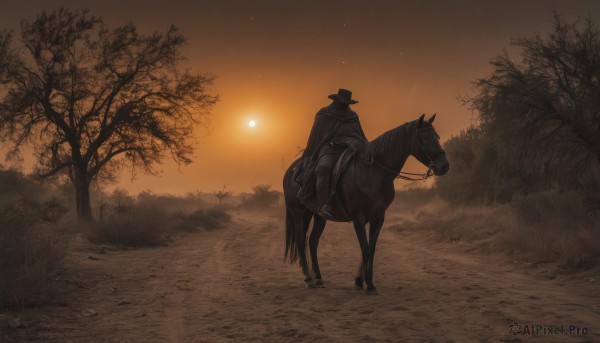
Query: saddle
column 341, row 164
column 343, row 152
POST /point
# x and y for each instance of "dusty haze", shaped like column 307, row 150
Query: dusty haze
column 278, row 61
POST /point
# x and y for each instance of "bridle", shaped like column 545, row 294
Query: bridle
column 430, row 155
column 403, row 175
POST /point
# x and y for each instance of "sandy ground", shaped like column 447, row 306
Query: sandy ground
column 231, row 285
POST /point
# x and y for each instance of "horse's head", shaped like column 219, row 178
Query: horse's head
column 427, row 149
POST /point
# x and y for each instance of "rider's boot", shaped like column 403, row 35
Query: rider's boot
column 325, row 211
column 323, row 195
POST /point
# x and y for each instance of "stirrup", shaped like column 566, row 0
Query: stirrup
column 325, row 211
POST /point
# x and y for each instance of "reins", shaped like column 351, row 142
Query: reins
column 403, row 175
column 422, row 176
column 406, row 175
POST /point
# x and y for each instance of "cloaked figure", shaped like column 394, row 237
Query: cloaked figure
column 336, row 128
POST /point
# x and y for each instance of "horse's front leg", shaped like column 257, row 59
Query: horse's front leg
column 313, row 242
column 361, row 234
column 374, row 230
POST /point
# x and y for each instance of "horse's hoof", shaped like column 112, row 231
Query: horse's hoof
column 358, row 285
column 371, row 292
column 310, row 283
column 319, row 283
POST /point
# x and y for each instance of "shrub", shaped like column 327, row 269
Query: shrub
column 148, row 219
column 558, row 226
column 262, row 196
column 210, row 219
column 30, row 250
column 528, row 138
column 549, row 226
column 130, row 226
column 170, row 203
column 15, row 186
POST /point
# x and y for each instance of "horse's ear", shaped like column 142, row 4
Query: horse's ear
column 432, row 118
column 420, row 122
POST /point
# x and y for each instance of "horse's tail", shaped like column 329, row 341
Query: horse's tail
column 291, row 247
column 295, row 221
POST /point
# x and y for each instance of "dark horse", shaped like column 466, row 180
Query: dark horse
column 364, row 192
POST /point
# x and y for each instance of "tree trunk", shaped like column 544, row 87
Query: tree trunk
column 82, row 195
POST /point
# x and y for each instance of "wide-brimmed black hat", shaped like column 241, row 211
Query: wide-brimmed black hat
column 344, row 96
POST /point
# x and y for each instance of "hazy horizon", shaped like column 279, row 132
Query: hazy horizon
column 278, row 61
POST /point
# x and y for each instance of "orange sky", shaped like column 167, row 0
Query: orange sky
column 278, row 60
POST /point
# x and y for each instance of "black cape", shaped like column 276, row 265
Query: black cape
column 331, row 125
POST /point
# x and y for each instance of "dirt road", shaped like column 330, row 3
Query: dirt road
column 232, row 286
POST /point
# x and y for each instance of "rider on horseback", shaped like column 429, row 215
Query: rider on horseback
column 336, row 128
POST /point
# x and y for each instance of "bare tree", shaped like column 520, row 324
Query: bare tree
column 92, row 100
column 222, row 194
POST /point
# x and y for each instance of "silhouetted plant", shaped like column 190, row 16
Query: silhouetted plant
column 538, row 121
column 92, row 100
column 222, row 194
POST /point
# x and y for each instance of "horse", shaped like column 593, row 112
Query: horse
column 364, row 191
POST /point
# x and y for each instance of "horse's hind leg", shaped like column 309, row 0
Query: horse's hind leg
column 303, row 221
column 313, row 242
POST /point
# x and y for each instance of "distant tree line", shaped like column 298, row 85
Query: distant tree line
column 538, row 122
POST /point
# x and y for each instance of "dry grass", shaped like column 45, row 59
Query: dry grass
column 557, row 227
column 545, row 227
column 142, row 223
column 31, row 249
column 130, row 226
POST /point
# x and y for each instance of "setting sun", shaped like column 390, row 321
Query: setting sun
column 140, row 199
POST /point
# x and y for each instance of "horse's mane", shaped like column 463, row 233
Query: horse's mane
column 392, row 141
